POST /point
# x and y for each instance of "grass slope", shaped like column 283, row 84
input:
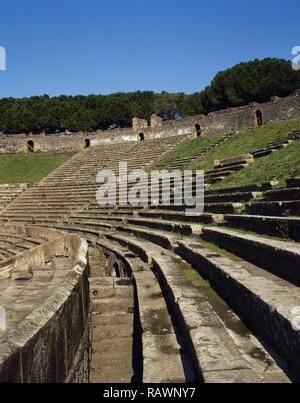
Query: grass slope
column 280, row 165
column 28, row 168
column 187, row 149
column 248, row 141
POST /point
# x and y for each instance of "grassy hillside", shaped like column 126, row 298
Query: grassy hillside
column 28, row 168
column 279, row 165
column 187, row 149
column 248, row 141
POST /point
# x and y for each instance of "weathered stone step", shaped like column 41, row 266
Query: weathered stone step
column 274, row 208
column 111, row 330
column 51, row 202
column 41, row 209
column 278, row 257
column 6, row 253
column 280, row 142
column 202, row 219
column 262, row 153
column 220, row 344
column 163, row 239
column 273, row 226
column 183, row 161
column 224, row 208
column 293, row 182
column 11, row 251
column 242, row 189
column 242, row 159
column 216, row 179
column 183, row 229
column 89, row 233
column 162, row 356
column 217, row 175
column 11, row 214
column 288, row 194
column 265, row 302
column 234, row 168
column 233, row 197
column 78, row 219
column 71, row 187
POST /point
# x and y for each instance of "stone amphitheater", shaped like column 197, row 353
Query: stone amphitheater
column 146, row 294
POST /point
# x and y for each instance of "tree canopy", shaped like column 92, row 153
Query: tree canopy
column 258, row 81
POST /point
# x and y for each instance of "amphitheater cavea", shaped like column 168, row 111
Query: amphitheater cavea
column 149, row 197
column 147, row 293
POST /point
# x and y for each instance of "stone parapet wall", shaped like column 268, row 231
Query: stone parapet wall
column 44, row 345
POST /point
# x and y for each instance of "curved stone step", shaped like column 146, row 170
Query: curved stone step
column 269, row 288
column 222, row 347
column 274, row 208
column 183, row 229
column 233, row 197
column 293, row 182
column 266, row 303
column 274, row 226
column 177, row 216
column 163, row 358
column 278, row 257
column 285, row 194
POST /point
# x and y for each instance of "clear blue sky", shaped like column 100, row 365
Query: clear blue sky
column 103, row 46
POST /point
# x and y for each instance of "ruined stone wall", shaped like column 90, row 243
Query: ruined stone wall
column 234, row 119
column 155, row 121
column 139, row 124
column 281, row 108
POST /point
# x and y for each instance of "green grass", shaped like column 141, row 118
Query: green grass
column 246, row 142
column 187, row 149
column 280, row 165
column 28, row 168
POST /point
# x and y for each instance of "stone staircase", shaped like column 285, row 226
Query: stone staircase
column 225, row 168
column 277, row 145
column 182, row 163
column 73, row 185
column 13, row 245
column 112, row 318
column 9, row 192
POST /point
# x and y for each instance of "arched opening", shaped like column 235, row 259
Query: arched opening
column 87, row 143
column 198, row 129
column 259, row 118
column 30, row 146
column 117, row 270
column 142, row 136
